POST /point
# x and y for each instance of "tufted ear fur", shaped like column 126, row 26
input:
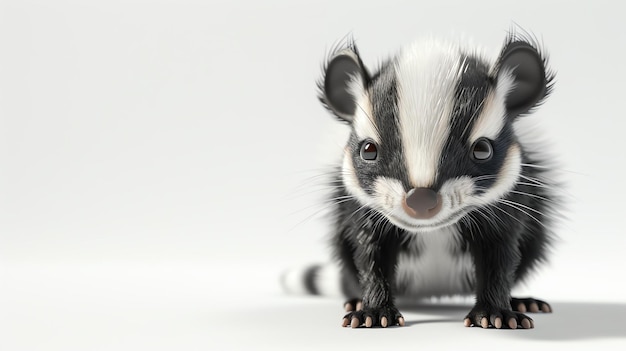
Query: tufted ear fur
column 343, row 80
column 522, row 64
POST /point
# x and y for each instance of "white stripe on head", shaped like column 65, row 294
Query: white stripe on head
column 364, row 124
column 427, row 75
column 492, row 116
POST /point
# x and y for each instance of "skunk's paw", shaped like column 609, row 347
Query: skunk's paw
column 353, row 305
column 485, row 316
column 530, row 305
column 373, row 317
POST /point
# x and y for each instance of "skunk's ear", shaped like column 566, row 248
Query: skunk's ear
column 522, row 66
column 343, row 81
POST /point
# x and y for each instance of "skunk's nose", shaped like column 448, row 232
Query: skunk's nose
column 422, row 203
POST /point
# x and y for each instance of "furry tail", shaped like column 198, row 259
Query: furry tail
column 316, row 279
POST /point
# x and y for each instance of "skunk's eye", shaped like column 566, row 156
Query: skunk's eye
column 369, row 151
column 482, row 150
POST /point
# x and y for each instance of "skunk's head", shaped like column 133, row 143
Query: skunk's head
column 432, row 130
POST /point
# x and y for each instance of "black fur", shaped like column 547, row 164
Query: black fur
column 504, row 253
column 384, row 96
column 470, row 93
column 506, row 239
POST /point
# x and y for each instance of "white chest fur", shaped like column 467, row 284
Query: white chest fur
column 435, row 266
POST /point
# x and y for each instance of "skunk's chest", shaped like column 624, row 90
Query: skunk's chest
column 434, row 264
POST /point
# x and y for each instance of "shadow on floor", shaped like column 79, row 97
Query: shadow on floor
column 570, row 320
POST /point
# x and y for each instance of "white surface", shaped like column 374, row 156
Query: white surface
column 191, row 306
column 159, row 166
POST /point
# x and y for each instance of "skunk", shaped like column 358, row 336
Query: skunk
column 438, row 193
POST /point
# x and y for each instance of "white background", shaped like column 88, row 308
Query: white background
column 159, row 162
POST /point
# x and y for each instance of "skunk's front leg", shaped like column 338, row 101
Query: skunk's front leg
column 495, row 261
column 375, row 259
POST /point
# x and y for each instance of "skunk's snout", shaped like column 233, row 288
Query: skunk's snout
column 422, row 203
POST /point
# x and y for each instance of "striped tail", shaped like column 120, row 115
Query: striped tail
column 316, row 279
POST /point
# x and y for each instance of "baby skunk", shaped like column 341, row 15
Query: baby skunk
column 437, row 194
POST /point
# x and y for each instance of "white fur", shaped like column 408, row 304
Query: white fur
column 457, row 197
column 363, row 122
column 427, row 74
column 351, row 182
column 492, row 117
column 389, row 195
column 293, row 282
column 506, row 179
column 327, row 280
column 436, row 270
